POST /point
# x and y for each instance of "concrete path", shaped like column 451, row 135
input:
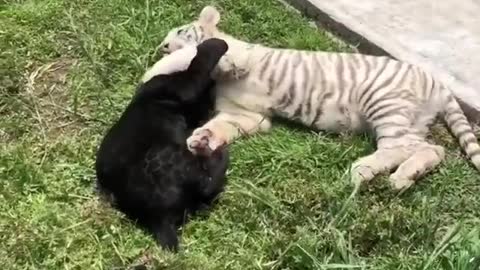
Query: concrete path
column 443, row 36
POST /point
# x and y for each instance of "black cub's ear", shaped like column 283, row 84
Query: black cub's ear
column 209, row 53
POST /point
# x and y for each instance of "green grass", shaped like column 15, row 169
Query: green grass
column 68, row 68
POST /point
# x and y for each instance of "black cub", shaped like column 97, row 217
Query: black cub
column 143, row 161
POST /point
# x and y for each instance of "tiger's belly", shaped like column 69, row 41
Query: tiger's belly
column 245, row 95
column 252, row 95
column 340, row 118
column 332, row 117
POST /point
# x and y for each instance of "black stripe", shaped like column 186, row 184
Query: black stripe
column 434, row 84
column 202, row 33
column 322, row 88
column 195, row 32
column 387, row 97
column 369, row 87
column 271, row 78
column 315, row 67
column 456, row 121
column 367, row 66
column 462, row 133
column 306, row 81
column 297, row 112
column 355, row 60
column 306, row 76
column 285, row 102
column 378, row 108
column 289, row 95
column 451, row 119
column 277, row 57
column 297, row 59
column 282, row 74
column 401, row 81
column 474, row 153
column 396, row 135
column 340, row 71
column 323, row 79
column 292, row 90
column 308, row 101
column 353, row 79
column 319, row 111
column 415, row 78
column 423, row 90
column 471, row 140
column 373, row 91
column 461, row 126
column 452, row 112
column 385, row 125
column 265, row 62
column 284, row 99
column 393, row 111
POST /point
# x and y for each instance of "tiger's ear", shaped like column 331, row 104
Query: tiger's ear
column 209, row 16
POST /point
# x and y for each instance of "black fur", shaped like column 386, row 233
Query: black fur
column 143, row 161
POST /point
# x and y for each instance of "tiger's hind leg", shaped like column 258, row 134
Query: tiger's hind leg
column 381, row 161
column 423, row 160
column 396, row 141
column 426, row 156
column 400, row 121
column 406, row 151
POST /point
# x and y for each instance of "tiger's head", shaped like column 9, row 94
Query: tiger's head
column 193, row 33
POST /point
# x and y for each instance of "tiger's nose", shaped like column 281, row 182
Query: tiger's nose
column 165, row 47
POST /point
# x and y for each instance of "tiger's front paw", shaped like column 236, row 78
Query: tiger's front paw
column 227, row 69
column 361, row 173
column 239, row 73
column 203, row 142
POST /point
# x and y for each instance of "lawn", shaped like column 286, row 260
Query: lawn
column 68, row 68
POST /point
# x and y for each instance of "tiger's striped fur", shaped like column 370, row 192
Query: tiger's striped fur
column 329, row 91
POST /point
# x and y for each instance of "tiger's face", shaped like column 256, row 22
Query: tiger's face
column 193, row 33
column 185, row 35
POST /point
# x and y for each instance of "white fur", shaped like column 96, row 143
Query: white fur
column 176, row 61
column 246, row 102
column 209, row 16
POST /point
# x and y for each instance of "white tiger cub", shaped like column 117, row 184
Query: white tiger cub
column 328, row 91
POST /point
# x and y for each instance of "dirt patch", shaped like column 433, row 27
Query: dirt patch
column 44, row 79
column 98, row 210
column 48, row 93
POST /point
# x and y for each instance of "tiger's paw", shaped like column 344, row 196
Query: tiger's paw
column 203, row 142
column 400, row 183
column 239, row 73
column 228, row 70
column 361, row 173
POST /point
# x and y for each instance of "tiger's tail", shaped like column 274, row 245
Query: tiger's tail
column 460, row 127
